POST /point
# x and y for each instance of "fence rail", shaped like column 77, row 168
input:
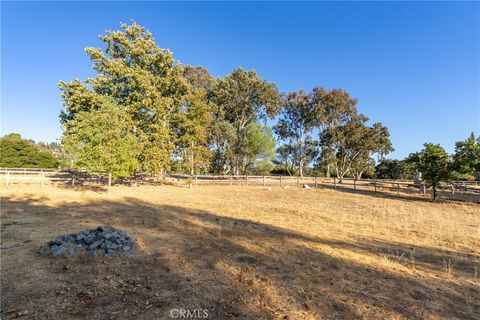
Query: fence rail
column 458, row 190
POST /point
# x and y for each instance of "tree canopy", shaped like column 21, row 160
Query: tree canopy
column 467, row 157
column 16, row 152
column 295, row 127
column 143, row 111
column 434, row 163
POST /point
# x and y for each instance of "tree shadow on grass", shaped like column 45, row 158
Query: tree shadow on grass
column 410, row 196
column 194, row 259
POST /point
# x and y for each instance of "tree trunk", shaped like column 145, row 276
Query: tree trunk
column 109, row 181
column 301, row 169
column 192, row 169
column 434, row 188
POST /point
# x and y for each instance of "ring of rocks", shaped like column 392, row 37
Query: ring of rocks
column 104, row 240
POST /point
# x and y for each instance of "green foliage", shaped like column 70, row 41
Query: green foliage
column 258, row 149
column 135, row 75
column 295, row 126
column 467, row 157
column 101, row 141
column 240, row 99
column 193, row 123
column 391, row 169
column 434, row 163
column 347, row 143
column 16, row 152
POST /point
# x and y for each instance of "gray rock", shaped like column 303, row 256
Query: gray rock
column 56, row 241
column 43, row 250
column 78, row 248
column 103, row 240
column 71, row 251
column 95, row 244
column 57, row 250
column 90, row 239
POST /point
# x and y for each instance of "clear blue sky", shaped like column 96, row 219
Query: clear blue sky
column 415, row 67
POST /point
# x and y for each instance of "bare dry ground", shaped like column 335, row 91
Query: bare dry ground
column 242, row 253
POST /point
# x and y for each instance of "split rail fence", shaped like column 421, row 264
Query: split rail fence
column 457, row 190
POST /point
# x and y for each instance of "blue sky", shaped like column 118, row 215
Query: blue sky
column 415, row 67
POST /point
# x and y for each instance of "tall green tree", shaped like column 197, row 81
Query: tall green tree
column 194, row 121
column 16, row 152
column 102, row 140
column 258, row 149
column 351, row 146
column 297, row 119
column 333, row 108
column 347, row 142
column 242, row 98
column 140, row 78
column 467, row 157
column 434, row 163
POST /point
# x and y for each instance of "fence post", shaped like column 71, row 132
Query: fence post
column 213, row 179
column 178, row 182
column 196, row 180
column 334, row 183
column 264, row 181
column 398, row 188
column 280, row 181
column 246, row 180
column 375, row 184
column 316, row 182
column 355, row 184
column 453, row 190
column 8, row 178
column 424, row 190
column 230, row 179
column 73, row 181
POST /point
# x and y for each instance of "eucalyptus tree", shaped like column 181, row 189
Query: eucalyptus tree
column 194, row 121
column 242, row 98
column 295, row 126
column 347, row 142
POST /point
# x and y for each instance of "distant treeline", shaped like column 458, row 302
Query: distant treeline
column 16, row 152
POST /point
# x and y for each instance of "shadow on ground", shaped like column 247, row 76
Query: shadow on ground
column 236, row 269
column 407, row 194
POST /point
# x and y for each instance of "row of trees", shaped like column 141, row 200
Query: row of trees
column 144, row 111
column 435, row 164
column 463, row 164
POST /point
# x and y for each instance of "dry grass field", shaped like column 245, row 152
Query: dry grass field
column 242, row 253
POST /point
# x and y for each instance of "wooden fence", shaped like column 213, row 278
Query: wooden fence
column 458, row 190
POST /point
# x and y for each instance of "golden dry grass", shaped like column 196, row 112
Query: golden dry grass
column 242, row 253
